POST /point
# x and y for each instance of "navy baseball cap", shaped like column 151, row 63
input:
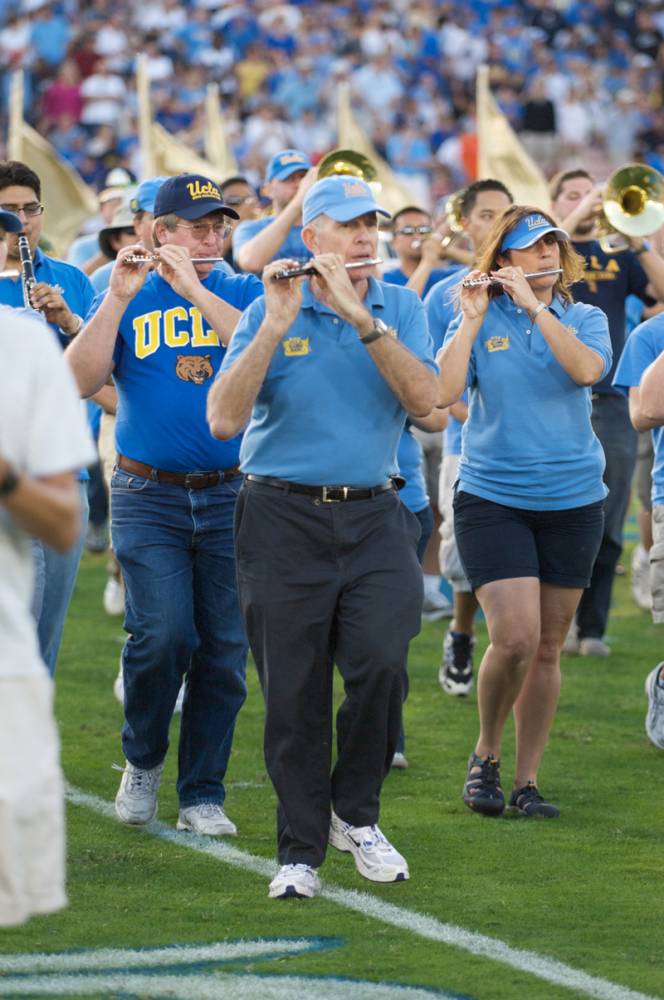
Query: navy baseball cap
column 342, row 197
column 528, row 231
column 285, row 163
column 144, row 196
column 10, row 222
column 190, row 196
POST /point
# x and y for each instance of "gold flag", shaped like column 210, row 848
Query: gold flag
column 162, row 155
column 67, row 199
column 217, row 150
column 393, row 195
column 501, row 155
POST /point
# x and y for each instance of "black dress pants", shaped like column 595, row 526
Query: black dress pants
column 323, row 583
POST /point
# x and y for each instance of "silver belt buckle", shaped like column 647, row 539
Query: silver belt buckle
column 327, row 499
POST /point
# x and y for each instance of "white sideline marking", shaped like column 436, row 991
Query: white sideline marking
column 548, row 969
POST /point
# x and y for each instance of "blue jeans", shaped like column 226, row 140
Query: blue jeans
column 611, row 423
column 175, row 548
column 55, row 578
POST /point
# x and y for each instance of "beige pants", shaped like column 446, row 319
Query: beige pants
column 657, row 564
column 32, row 828
column 450, row 562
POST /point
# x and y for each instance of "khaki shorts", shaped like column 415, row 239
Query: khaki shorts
column 450, row 562
column 32, row 828
column 657, row 564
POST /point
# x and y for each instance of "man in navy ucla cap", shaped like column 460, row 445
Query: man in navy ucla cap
column 162, row 333
column 256, row 242
column 325, row 371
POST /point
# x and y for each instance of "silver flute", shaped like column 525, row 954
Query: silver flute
column 295, row 272
column 148, row 258
column 488, row 280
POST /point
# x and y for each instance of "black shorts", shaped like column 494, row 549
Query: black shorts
column 500, row 543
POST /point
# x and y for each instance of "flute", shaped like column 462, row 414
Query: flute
column 487, row 280
column 295, row 272
column 148, row 258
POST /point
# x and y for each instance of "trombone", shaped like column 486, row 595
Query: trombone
column 632, row 205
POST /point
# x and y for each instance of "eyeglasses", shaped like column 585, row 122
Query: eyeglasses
column 414, row 231
column 201, row 230
column 241, row 199
column 31, row 209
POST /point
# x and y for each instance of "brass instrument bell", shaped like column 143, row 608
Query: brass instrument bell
column 633, row 205
column 347, row 161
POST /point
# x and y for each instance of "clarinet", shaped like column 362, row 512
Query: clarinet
column 28, row 280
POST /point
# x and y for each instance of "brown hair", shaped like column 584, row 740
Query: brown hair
column 572, row 263
column 556, row 182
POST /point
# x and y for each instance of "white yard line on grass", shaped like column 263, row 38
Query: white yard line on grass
column 409, row 921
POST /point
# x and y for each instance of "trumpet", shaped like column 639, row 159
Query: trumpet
column 149, row 258
column 487, row 280
column 632, row 205
column 348, row 162
column 296, row 272
column 453, row 213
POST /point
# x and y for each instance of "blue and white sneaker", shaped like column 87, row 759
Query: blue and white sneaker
column 655, row 714
column 295, row 882
column 375, row 858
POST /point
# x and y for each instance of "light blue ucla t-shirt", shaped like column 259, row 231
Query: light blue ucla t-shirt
column 643, row 346
column 528, row 441
column 324, row 414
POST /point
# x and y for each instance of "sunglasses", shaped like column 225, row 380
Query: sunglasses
column 414, row 231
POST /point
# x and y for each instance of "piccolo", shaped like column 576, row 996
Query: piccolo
column 148, row 258
column 488, row 280
column 295, row 272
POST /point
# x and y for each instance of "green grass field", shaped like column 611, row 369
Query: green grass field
column 586, row 890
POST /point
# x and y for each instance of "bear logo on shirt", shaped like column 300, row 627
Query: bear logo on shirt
column 194, row 368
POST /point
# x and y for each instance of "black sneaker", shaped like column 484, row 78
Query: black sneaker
column 482, row 792
column 528, row 802
column 456, row 671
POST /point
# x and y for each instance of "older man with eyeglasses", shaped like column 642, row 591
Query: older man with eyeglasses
column 162, row 334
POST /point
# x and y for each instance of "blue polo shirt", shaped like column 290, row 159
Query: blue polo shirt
column 292, row 247
column 166, row 357
column 608, row 280
column 409, row 459
column 644, row 345
column 324, row 414
column 395, row 276
column 528, row 441
column 77, row 291
column 441, row 307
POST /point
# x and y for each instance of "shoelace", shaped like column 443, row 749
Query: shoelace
column 529, row 795
column 139, row 779
column 369, row 837
column 299, row 867
column 209, row 810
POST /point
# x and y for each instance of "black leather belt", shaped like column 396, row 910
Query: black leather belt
column 328, row 494
column 192, row 480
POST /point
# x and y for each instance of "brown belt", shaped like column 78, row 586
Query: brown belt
column 192, row 480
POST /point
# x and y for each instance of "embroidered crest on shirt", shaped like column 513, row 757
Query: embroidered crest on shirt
column 194, row 368
column 497, row 344
column 296, row 347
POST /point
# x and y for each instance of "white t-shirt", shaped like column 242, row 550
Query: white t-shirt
column 42, row 432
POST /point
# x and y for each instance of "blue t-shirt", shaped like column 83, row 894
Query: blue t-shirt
column 166, row 357
column 441, row 307
column 324, row 414
column 528, row 441
column 397, row 277
column 77, row 291
column 644, row 345
column 409, row 459
column 607, row 281
column 292, row 247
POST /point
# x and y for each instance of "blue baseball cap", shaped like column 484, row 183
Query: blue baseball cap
column 342, row 197
column 285, row 163
column 144, row 196
column 10, row 222
column 190, row 196
column 528, row 231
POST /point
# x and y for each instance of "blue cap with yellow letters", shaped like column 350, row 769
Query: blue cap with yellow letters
column 190, row 196
column 529, row 230
column 285, row 163
column 342, row 197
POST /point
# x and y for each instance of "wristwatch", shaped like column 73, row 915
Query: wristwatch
column 536, row 311
column 9, row 482
column 379, row 329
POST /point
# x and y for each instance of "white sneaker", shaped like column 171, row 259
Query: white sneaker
column 136, row 801
column 375, row 858
column 655, row 715
column 571, row 644
column 118, row 690
column 114, row 597
column 206, row 818
column 436, row 606
column 594, row 647
column 295, row 882
column 400, row 761
column 640, row 582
